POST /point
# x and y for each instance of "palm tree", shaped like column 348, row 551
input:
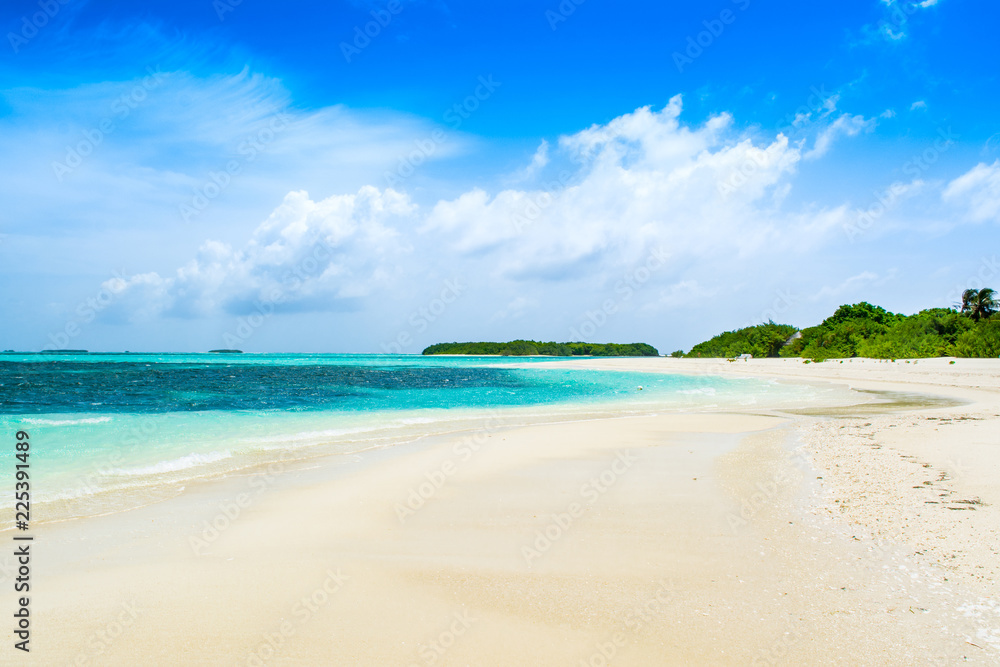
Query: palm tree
column 980, row 303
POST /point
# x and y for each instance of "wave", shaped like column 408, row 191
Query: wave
column 311, row 435
column 182, row 463
column 705, row 391
column 65, row 422
column 318, row 435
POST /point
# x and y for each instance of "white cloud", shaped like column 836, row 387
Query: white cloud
column 919, row 104
column 163, row 148
column 538, row 162
column 713, row 199
column 308, row 255
column 896, row 17
column 978, row 190
column 642, row 180
column 846, row 125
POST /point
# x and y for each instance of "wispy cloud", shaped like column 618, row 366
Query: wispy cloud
column 846, row 125
column 977, row 191
column 538, row 162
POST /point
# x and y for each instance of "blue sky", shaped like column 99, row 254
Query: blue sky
column 194, row 175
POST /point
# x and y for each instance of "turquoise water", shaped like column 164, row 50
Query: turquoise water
column 109, row 429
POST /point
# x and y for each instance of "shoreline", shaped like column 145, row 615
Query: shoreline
column 109, row 482
column 671, row 539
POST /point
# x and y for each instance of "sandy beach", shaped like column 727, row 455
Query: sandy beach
column 868, row 534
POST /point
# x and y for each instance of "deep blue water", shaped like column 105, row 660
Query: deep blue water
column 109, row 384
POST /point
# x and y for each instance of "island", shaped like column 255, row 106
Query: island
column 531, row 348
column 225, row 351
column 865, row 330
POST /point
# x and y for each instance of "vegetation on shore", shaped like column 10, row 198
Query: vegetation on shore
column 763, row 340
column 864, row 330
column 524, row 348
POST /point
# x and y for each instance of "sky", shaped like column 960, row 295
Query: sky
column 367, row 176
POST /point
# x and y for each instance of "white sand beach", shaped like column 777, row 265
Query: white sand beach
column 866, row 536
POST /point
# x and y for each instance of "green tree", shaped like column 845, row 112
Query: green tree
column 762, row 340
column 979, row 304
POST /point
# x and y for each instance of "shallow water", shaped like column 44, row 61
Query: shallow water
column 111, row 430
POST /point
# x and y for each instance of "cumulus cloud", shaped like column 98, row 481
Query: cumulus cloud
column 642, row 180
column 978, row 190
column 601, row 201
column 308, row 255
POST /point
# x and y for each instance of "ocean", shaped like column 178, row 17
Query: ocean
column 112, row 431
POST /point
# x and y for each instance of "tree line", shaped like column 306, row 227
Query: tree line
column 524, row 348
column 864, row 330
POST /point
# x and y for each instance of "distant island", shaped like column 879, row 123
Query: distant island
column 225, row 351
column 530, row 348
column 864, row 330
